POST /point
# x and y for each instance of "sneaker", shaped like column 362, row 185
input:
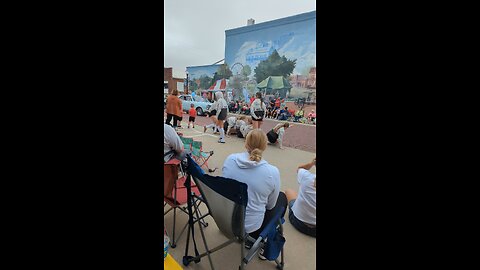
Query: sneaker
column 248, row 244
column 221, row 141
column 260, row 255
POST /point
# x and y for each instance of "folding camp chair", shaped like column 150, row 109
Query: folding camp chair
column 226, row 200
column 201, row 157
column 177, row 197
column 187, row 143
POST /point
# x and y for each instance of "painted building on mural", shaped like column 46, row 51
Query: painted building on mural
column 253, row 51
column 205, row 80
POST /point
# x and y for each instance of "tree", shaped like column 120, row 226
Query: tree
column 193, row 86
column 246, row 70
column 205, row 82
column 274, row 65
column 223, row 72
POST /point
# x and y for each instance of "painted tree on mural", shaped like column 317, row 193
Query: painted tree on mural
column 223, row 72
column 246, row 70
column 205, row 82
column 274, row 65
column 193, row 86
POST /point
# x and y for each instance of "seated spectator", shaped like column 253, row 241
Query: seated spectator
column 275, row 113
column 263, row 181
column 284, row 114
column 312, row 115
column 302, row 206
column 299, row 114
column 172, row 144
column 172, row 148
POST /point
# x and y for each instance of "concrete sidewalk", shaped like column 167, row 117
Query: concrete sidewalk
column 299, row 248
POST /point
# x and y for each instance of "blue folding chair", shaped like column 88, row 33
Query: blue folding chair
column 226, row 200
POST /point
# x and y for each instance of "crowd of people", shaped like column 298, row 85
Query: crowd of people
column 264, row 184
column 265, row 195
column 275, row 109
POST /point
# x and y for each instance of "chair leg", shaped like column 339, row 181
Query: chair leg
column 203, row 236
column 242, row 254
column 173, row 244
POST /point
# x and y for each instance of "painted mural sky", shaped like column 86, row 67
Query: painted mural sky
column 295, row 40
column 194, row 31
column 197, row 72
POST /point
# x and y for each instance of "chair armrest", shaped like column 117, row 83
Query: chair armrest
column 173, row 161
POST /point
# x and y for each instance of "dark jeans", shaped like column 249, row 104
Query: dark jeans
column 298, row 224
column 169, row 118
column 281, row 201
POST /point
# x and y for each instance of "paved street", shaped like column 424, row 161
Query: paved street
column 299, row 248
column 299, row 136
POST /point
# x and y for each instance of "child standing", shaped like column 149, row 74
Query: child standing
column 192, row 114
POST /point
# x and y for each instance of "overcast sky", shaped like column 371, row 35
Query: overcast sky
column 194, row 30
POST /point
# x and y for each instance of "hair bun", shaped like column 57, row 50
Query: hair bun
column 256, row 155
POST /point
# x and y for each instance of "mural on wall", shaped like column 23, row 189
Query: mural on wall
column 203, row 80
column 277, row 57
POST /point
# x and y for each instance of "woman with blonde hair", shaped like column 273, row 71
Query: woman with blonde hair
column 262, row 178
column 275, row 135
column 174, row 108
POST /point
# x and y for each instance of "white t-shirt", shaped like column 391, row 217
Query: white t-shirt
column 231, row 121
column 171, row 140
column 280, row 132
column 239, row 123
column 245, row 129
column 304, row 207
column 263, row 182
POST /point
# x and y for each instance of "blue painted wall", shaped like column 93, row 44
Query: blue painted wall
column 196, row 72
column 293, row 37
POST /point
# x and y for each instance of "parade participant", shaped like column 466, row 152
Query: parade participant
column 241, row 121
column 238, row 123
column 276, row 134
column 302, row 206
column 245, row 129
column 262, row 178
column 222, row 112
column 229, row 125
column 257, row 110
column 212, row 113
column 174, row 108
column 192, row 114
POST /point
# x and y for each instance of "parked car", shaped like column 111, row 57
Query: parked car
column 200, row 106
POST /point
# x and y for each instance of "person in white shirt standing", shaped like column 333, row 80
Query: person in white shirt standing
column 222, row 112
column 302, row 206
column 258, row 110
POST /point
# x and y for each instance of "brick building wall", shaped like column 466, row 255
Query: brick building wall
column 172, row 82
